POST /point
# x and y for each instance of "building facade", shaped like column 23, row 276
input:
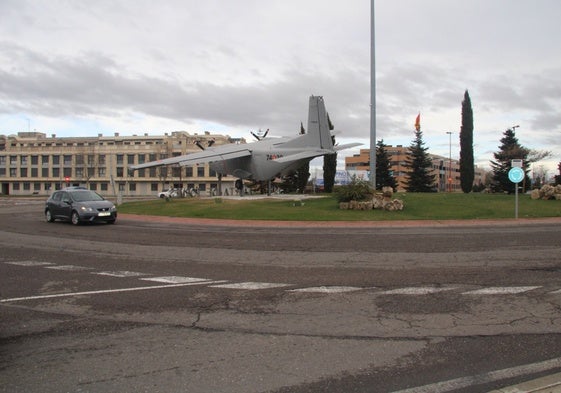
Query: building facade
column 33, row 164
column 446, row 171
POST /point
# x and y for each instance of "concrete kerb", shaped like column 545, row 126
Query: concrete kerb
column 341, row 224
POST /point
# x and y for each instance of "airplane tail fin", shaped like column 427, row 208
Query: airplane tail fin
column 318, row 134
column 318, row 124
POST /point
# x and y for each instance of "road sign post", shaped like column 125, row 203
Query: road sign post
column 516, row 175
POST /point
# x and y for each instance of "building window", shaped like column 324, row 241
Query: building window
column 101, row 159
column 45, row 160
column 79, row 173
column 2, row 160
column 130, row 159
column 23, row 172
column 153, row 186
column 141, row 173
column 34, row 160
column 132, row 186
column 67, row 160
column 34, row 172
column 141, row 158
column 119, row 159
column 47, row 186
column 120, row 172
column 93, row 186
column 56, row 160
column 103, row 186
column 200, row 171
column 79, row 159
column 36, row 186
column 15, row 186
column 67, row 172
column 2, row 172
column 26, row 186
column 56, row 172
column 23, row 160
column 13, row 160
column 189, row 171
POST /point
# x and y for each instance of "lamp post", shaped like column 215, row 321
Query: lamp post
column 450, row 161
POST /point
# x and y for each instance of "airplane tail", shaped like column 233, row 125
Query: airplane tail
column 318, row 134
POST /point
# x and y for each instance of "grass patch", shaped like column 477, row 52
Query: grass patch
column 437, row 206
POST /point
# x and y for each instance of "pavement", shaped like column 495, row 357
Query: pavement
column 547, row 384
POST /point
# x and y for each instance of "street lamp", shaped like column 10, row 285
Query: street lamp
column 450, row 162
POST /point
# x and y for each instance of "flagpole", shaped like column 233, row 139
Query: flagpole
column 372, row 99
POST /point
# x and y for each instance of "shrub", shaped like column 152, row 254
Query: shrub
column 356, row 190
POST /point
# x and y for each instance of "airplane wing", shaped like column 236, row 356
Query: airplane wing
column 314, row 153
column 346, row 146
column 218, row 153
column 303, row 155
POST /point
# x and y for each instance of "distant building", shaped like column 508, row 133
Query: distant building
column 33, row 164
column 446, row 171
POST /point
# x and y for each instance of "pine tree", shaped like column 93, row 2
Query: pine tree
column 384, row 177
column 467, row 170
column 329, row 165
column 509, row 149
column 418, row 161
column 558, row 177
column 297, row 180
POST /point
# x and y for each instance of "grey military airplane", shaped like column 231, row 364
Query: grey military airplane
column 266, row 158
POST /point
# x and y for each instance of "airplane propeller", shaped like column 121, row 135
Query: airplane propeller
column 257, row 136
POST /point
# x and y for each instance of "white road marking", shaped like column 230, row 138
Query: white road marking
column 492, row 376
column 175, row 279
column 556, row 292
column 251, row 285
column 500, row 290
column 29, row 263
column 69, row 268
column 121, row 273
column 327, row 289
column 18, row 299
column 416, row 290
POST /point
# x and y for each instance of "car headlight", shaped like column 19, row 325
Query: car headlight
column 86, row 209
column 113, row 208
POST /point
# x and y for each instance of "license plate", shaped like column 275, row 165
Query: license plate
column 104, row 214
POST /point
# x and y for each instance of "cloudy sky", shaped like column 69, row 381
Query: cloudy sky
column 81, row 68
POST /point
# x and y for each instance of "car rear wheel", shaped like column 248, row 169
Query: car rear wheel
column 48, row 216
column 75, row 218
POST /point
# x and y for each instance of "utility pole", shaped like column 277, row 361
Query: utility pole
column 372, row 98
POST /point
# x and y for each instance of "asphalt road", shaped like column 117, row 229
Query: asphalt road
column 155, row 306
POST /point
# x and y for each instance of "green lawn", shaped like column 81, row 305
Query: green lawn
column 437, row 206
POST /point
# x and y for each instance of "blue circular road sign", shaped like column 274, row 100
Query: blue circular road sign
column 516, row 175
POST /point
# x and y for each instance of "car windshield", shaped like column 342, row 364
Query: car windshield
column 84, row 196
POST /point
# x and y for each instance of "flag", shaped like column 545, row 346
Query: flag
column 418, row 122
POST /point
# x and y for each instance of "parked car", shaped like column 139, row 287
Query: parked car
column 170, row 193
column 78, row 205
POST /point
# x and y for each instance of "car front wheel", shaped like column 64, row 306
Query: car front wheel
column 48, row 216
column 75, row 218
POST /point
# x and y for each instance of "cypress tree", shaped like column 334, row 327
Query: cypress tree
column 418, row 178
column 329, row 165
column 384, row 177
column 467, row 170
